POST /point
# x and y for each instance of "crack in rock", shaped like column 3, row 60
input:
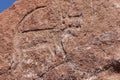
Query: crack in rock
column 53, row 67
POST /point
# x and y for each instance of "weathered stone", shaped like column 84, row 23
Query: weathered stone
column 60, row 40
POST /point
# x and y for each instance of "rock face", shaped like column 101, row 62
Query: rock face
column 60, row 40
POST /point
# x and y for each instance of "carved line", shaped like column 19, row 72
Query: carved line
column 36, row 30
column 31, row 11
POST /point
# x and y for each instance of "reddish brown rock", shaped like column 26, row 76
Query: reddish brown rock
column 60, row 40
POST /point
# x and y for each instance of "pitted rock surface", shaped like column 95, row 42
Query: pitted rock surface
column 60, row 40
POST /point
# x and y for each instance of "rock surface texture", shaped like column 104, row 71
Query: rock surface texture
column 60, row 40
